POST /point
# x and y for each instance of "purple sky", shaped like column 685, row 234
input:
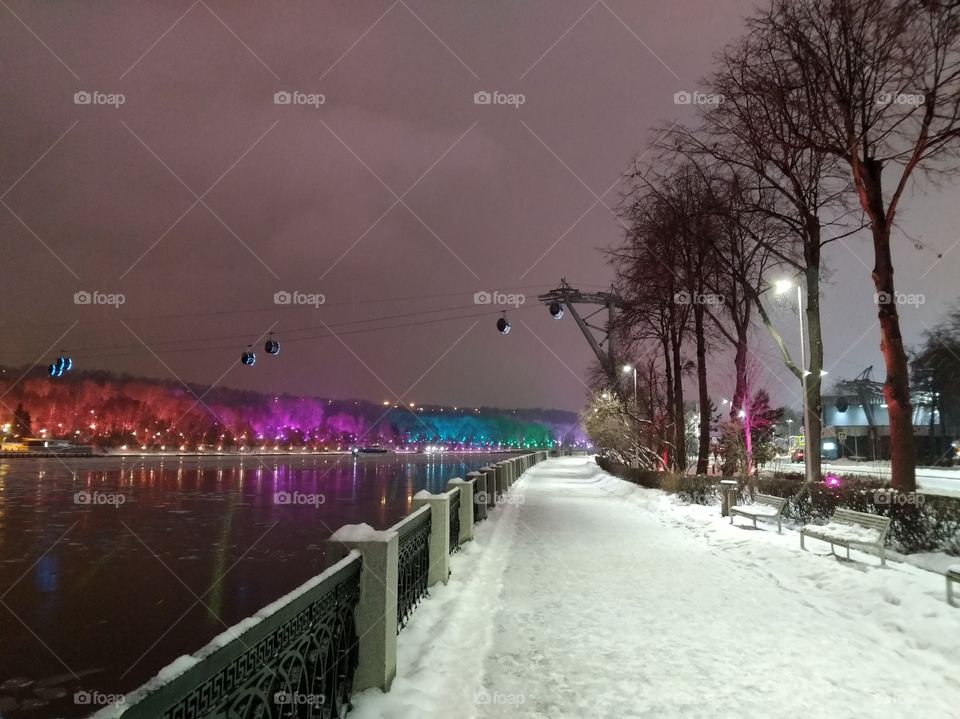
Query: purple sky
column 398, row 186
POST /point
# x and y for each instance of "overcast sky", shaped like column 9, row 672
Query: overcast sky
column 199, row 197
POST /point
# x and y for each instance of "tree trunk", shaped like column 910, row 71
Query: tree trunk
column 813, row 422
column 679, row 423
column 740, row 369
column 896, row 390
column 668, row 404
column 703, row 451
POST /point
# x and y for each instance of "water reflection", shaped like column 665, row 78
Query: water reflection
column 109, row 589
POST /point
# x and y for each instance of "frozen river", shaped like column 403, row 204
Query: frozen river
column 110, row 568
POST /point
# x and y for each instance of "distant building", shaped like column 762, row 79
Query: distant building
column 856, row 424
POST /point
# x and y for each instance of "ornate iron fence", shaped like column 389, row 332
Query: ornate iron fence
column 455, row 521
column 414, row 564
column 298, row 661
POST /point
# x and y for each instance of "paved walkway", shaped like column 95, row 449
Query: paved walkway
column 588, row 597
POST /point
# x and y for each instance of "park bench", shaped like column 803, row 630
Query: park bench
column 953, row 575
column 851, row 529
column 764, row 506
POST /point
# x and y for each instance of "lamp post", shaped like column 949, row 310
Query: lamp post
column 782, row 287
column 636, row 409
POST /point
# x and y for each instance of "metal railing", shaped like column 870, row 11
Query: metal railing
column 413, row 551
column 298, row 660
column 454, row 521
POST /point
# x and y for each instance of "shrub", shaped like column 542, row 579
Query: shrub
column 931, row 526
column 648, row 478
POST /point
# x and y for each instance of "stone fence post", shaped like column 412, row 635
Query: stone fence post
column 466, row 506
column 479, row 501
column 491, row 475
column 376, row 612
column 439, row 534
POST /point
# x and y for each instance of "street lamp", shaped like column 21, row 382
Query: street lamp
column 636, row 408
column 782, row 287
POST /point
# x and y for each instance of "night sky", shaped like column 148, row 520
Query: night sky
column 199, row 198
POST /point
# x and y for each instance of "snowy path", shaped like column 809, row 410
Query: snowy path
column 595, row 598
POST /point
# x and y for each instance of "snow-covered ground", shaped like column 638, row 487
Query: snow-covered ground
column 596, row 598
column 930, row 480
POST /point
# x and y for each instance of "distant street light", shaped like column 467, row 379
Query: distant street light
column 636, row 408
column 781, row 287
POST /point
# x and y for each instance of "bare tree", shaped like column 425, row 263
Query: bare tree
column 877, row 86
column 649, row 268
column 785, row 197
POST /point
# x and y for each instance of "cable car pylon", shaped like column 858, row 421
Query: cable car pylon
column 569, row 297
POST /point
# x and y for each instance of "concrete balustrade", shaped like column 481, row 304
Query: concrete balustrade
column 491, row 474
column 479, row 480
column 439, row 504
column 376, row 612
column 467, row 491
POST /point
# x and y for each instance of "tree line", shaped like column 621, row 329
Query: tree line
column 817, row 122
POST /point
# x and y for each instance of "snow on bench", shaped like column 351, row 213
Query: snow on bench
column 765, row 506
column 848, row 528
column 953, row 575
